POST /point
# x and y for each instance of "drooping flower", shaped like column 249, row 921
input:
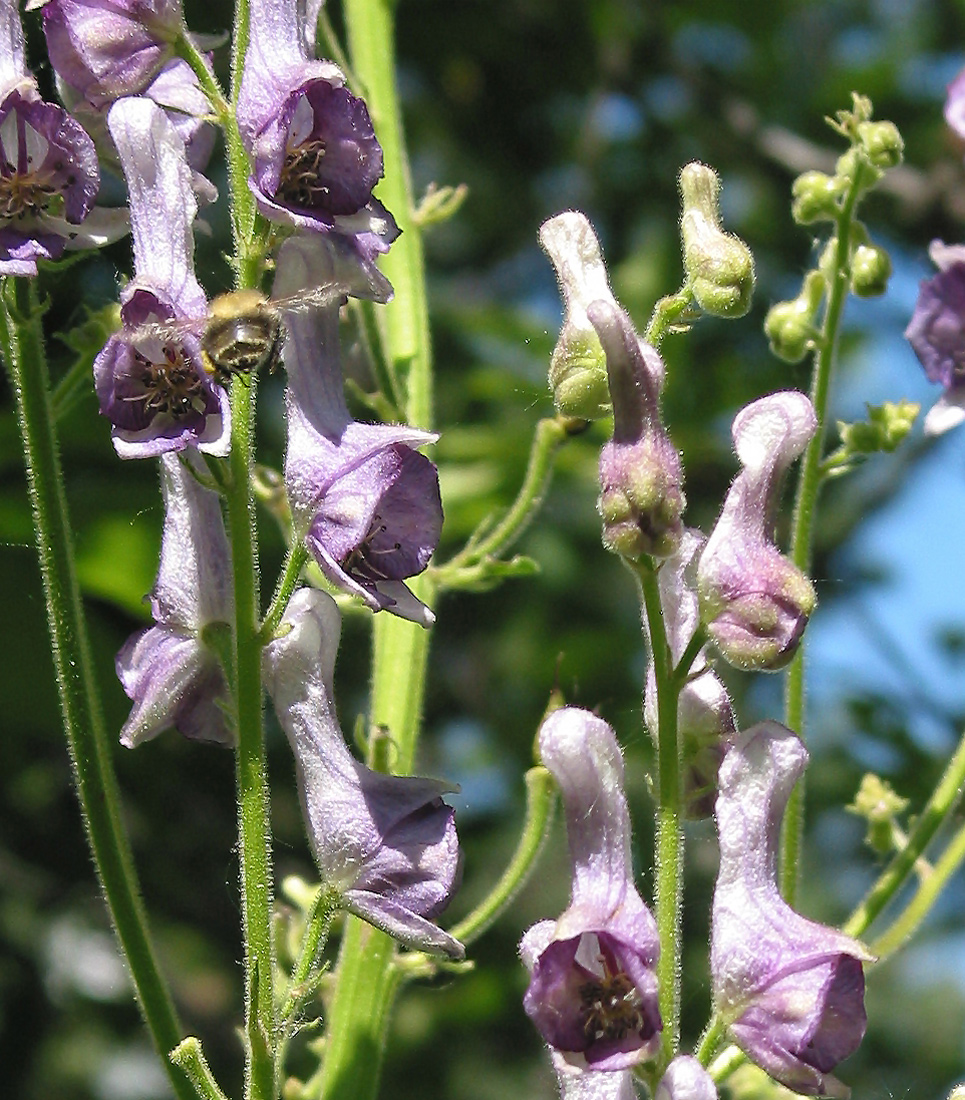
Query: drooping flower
column 386, row 843
column 593, row 991
column 705, row 718
column 48, row 168
column 937, row 333
column 790, row 990
column 754, row 601
column 686, row 1079
column 315, row 157
column 641, row 479
column 169, row 671
column 364, row 500
column 578, row 374
column 149, row 377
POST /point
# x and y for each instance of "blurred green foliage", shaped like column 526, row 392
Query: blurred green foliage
column 536, row 105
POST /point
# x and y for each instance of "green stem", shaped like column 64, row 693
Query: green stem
column 943, row 801
column 805, row 505
column 925, row 897
column 25, row 357
column 287, row 582
column 710, row 1040
column 540, row 802
column 318, row 923
column 669, row 853
column 189, row 1057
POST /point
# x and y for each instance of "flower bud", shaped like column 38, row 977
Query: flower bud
column 754, row 601
column 881, row 143
column 719, row 265
column 577, row 375
column 815, row 198
column 789, row 326
column 641, row 494
column 870, row 271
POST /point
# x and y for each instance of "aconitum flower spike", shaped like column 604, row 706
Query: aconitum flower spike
column 168, row 670
column 790, row 990
column 577, row 375
column 705, row 717
column 937, row 333
column 48, row 168
column 149, row 377
column 315, row 157
column 754, row 601
column 686, row 1079
column 593, row 991
column 365, row 501
column 641, row 495
column 386, row 843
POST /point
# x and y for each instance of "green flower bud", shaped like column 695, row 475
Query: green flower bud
column 870, row 271
column 816, row 197
column 884, row 430
column 879, row 805
column 719, row 265
column 789, row 326
column 577, row 374
column 855, row 164
column 882, row 143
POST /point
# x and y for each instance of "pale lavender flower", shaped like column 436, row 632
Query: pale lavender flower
column 364, row 500
column 168, row 670
column 48, row 168
column 686, row 1079
column 106, row 49
column 386, row 843
column 149, row 377
column 955, row 105
column 593, row 991
column 641, row 479
column 705, row 717
column 790, row 990
column 754, row 601
column 936, row 331
column 315, row 158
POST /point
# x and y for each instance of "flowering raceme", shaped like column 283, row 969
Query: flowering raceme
column 790, row 990
column 168, row 670
column 387, row 844
column 593, row 991
column 754, row 601
column 150, row 381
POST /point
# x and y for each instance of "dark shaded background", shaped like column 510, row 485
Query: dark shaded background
column 537, row 106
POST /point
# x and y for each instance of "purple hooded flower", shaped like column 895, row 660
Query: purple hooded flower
column 168, row 671
column 791, row 990
column 593, row 991
column 315, row 158
column 387, row 843
column 641, row 479
column 106, row 49
column 686, row 1079
column 48, row 167
column 149, row 377
column 705, row 718
column 365, row 501
column 937, row 333
column 754, row 601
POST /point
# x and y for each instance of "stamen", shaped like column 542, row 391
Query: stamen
column 301, row 176
column 172, row 387
column 610, row 1006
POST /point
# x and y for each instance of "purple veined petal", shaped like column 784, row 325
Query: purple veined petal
column 791, row 990
column 593, row 991
column 686, row 1079
column 106, row 49
column 386, row 843
column 13, row 63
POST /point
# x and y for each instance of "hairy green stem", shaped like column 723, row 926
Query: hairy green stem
column 805, row 504
column 287, row 582
column 189, row 1057
column 25, row 358
column 942, row 803
column 669, row 854
column 540, row 802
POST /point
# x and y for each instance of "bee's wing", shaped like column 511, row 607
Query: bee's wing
column 312, row 298
column 167, row 332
